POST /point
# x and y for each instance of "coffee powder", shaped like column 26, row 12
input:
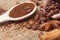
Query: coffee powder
column 2, row 11
column 21, row 10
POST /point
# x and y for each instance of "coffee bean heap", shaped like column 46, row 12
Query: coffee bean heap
column 40, row 17
column 52, row 8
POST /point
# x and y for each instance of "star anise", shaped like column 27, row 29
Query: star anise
column 50, row 25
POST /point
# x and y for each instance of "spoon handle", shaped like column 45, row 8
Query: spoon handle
column 3, row 18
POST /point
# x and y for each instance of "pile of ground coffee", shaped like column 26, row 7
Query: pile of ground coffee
column 21, row 10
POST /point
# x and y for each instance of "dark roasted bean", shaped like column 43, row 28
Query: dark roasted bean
column 35, row 25
column 28, row 26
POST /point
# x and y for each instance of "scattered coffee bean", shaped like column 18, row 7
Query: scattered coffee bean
column 35, row 25
column 28, row 26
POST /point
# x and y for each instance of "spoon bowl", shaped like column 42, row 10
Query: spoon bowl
column 6, row 17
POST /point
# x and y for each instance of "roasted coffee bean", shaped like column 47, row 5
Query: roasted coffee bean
column 47, row 8
column 41, row 13
column 55, row 26
column 36, row 17
column 28, row 26
column 59, row 11
column 52, row 12
column 58, row 24
column 35, row 25
column 53, row 2
column 35, row 1
column 42, row 22
column 48, row 15
column 41, row 28
column 24, row 24
column 56, row 11
column 56, row 4
column 43, row 18
column 52, row 7
column 31, row 22
column 49, row 4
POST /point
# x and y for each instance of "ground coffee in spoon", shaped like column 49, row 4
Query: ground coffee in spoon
column 21, row 10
